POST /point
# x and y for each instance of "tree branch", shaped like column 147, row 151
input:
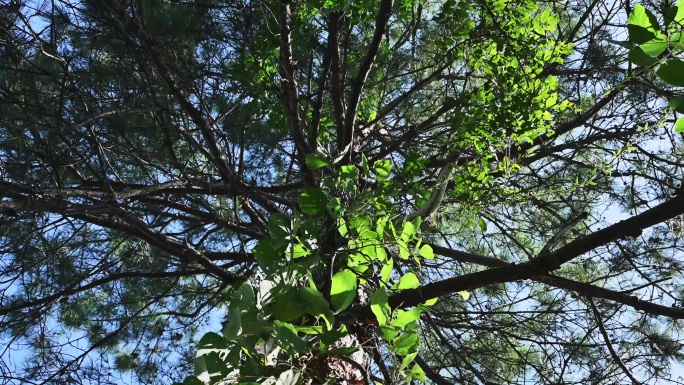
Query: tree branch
column 381, row 21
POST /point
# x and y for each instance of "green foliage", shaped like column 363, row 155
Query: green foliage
column 671, row 72
column 313, row 201
column 162, row 162
column 654, row 46
column 343, row 289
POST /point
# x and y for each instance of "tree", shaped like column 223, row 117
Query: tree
column 476, row 192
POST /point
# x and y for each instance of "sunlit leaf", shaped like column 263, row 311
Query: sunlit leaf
column 418, row 373
column 379, row 305
column 655, row 46
column 642, row 25
column 349, row 172
column 483, row 225
column 343, row 289
column 406, row 342
column 382, row 168
column 674, row 15
column 426, row 252
column 386, row 271
column 408, row 281
column 407, row 360
column 679, row 125
column 408, row 231
column 404, row 251
column 430, row 302
column 406, row 317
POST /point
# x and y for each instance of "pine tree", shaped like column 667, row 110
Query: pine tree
column 355, row 192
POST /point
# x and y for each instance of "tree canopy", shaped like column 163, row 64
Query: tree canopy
column 351, row 192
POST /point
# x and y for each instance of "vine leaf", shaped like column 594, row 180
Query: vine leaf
column 316, row 160
column 343, row 289
column 672, row 72
column 313, row 201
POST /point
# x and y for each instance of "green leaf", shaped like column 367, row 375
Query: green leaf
column 316, row 160
column 266, row 256
column 342, row 228
column 360, row 224
column 279, row 225
column 465, row 294
column 380, row 253
column 365, row 167
column 408, row 281
column 386, row 271
column 430, row 302
column 641, row 25
column 335, row 206
column 672, row 72
column 212, row 366
column 382, row 168
column 234, row 357
column 299, row 250
column 244, row 297
column 368, row 251
column 406, row 317
column 677, row 104
column 387, row 333
column 313, row 201
column 407, row 360
column 287, row 306
column 211, row 341
column 315, row 304
column 310, row 228
column 418, row 373
column 349, row 172
column 639, row 57
column 669, row 15
column 679, row 125
column 288, row 338
column 655, row 46
column 552, row 100
column 675, row 15
column 408, row 231
column 331, row 336
column 368, row 234
column 343, row 289
column 232, row 327
column 404, row 252
column 483, row 225
column 310, row 329
column 379, row 305
column 427, row 252
column 407, row 342
column 677, row 41
column 679, row 17
column 639, row 35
